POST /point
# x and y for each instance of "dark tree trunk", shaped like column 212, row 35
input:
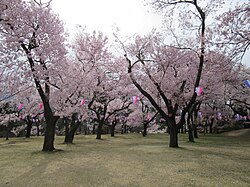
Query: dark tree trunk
column 211, row 126
column 195, row 131
column 99, row 131
column 145, row 127
column 182, row 129
column 70, row 136
column 71, row 129
column 205, row 126
column 112, row 130
column 49, row 137
column 29, row 126
column 125, row 129
column 112, row 127
column 190, row 128
column 106, row 130
column 93, row 132
column 37, row 129
column 173, row 136
column 195, row 124
column 122, row 131
column 7, row 131
column 190, row 133
column 66, row 123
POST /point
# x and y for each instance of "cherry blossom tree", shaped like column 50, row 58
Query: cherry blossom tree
column 34, row 41
column 164, row 76
column 8, row 116
column 232, row 30
column 221, row 80
column 105, row 82
column 237, row 92
column 142, row 114
column 160, row 62
column 216, row 72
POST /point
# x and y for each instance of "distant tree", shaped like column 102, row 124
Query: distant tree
column 105, row 85
column 8, row 116
column 142, row 114
column 237, row 92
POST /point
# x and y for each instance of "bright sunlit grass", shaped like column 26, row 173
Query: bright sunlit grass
column 127, row 160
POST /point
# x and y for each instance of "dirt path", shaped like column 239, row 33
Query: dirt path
column 238, row 133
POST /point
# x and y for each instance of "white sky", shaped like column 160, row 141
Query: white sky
column 130, row 16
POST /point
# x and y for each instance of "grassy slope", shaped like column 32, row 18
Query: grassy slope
column 127, row 160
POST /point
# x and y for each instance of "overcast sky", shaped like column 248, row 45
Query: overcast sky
column 130, row 16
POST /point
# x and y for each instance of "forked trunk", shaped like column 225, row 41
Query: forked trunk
column 70, row 134
column 173, row 136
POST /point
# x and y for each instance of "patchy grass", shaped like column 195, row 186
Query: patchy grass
column 127, row 160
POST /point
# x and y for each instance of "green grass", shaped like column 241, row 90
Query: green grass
column 127, row 160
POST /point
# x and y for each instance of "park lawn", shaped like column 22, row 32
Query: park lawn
column 127, row 160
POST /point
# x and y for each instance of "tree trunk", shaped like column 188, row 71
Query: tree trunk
column 49, row 137
column 190, row 133
column 71, row 133
column 145, row 127
column 112, row 127
column 211, row 126
column 29, row 126
column 173, row 136
column 37, row 129
column 68, row 138
column 204, row 128
column 93, row 132
column 112, row 130
column 71, row 129
column 125, row 129
column 122, row 129
column 99, row 131
column 195, row 131
column 190, row 128
column 182, row 129
column 7, row 131
column 195, row 126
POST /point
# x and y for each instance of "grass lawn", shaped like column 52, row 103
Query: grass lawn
column 127, row 160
